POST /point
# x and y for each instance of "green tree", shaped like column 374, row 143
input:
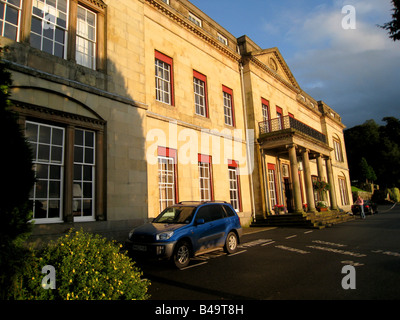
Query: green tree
column 367, row 172
column 380, row 146
column 393, row 27
column 18, row 179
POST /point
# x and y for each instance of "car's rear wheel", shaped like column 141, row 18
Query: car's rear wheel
column 231, row 242
column 181, row 255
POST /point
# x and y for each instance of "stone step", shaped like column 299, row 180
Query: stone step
column 317, row 220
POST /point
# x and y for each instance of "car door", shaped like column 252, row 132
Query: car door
column 209, row 234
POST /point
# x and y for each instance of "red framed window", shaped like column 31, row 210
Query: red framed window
column 205, row 178
column 167, row 177
column 272, row 187
column 279, row 115
column 234, row 185
column 200, row 94
column 229, row 113
column 164, row 78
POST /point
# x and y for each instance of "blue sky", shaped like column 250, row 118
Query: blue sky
column 355, row 71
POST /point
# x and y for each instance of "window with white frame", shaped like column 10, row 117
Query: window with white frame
column 234, row 186
column 166, row 181
column 83, row 189
column 200, row 94
column 337, row 146
column 205, row 178
column 163, row 77
column 265, row 114
column 47, row 144
column 222, row 39
column 228, row 107
column 344, row 195
column 10, row 18
column 196, row 20
column 49, row 26
column 272, row 187
column 86, row 38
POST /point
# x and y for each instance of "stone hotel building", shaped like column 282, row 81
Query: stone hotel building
column 130, row 106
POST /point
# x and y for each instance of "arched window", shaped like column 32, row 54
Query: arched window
column 337, row 146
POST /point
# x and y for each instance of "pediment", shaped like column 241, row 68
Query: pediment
column 273, row 60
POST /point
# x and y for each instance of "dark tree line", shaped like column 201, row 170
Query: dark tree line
column 373, row 152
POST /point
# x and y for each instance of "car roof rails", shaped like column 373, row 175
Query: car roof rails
column 202, row 202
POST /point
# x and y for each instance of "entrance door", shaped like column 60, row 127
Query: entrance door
column 288, row 194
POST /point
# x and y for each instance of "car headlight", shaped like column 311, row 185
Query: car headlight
column 164, row 235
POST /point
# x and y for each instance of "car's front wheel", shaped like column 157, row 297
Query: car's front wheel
column 181, row 255
column 231, row 242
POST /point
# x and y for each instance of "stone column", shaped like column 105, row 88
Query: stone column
column 68, row 178
column 320, row 168
column 308, row 182
column 100, row 194
column 298, row 206
column 321, row 174
column 332, row 190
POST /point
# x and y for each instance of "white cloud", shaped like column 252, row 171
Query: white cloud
column 355, row 71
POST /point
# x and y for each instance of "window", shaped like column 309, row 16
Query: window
column 167, row 177
column 272, row 185
column 317, row 194
column 205, row 177
column 200, row 94
column 338, row 150
column 10, row 18
column 228, row 106
column 49, row 26
column 195, row 19
column 86, row 38
column 234, row 185
column 210, row 213
column 222, row 39
column 84, row 173
column 265, row 114
column 47, row 144
column 344, row 195
column 166, row 1
column 164, row 78
column 279, row 115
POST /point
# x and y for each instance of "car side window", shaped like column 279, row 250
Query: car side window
column 229, row 211
column 210, row 213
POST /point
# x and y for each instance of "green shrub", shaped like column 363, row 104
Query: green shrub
column 394, row 194
column 88, row 267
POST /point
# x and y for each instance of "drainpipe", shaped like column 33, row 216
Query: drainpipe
column 253, row 211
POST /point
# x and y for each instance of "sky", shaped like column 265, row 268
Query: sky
column 338, row 56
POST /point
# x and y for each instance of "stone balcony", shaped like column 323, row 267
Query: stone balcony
column 279, row 132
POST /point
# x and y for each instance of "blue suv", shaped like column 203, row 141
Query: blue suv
column 188, row 229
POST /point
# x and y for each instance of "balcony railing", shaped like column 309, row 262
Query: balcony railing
column 287, row 122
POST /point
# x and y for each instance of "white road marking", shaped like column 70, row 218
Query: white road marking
column 268, row 243
column 349, row 253
column 236, row 253
column 290, row 237
column 292, row 249
column 329, row 243
column 194, row 266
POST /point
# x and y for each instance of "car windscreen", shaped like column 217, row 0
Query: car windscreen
column 182, row 215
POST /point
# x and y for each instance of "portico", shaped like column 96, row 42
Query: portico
column 297, row 144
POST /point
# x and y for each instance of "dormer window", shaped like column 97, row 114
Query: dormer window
column 222, row 39
column 197, row 21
